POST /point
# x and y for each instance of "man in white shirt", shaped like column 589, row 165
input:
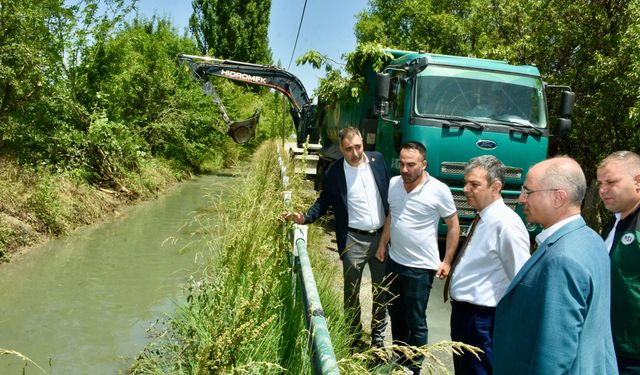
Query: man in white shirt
column 417, row 202
column 497, row 248
column 355, row 187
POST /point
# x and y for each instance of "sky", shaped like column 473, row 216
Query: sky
column 327, row 27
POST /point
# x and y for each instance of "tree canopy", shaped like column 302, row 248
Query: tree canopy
column 93, row 88
column 232, row 29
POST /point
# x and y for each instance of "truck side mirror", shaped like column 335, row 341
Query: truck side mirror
column 563, row 126
column 382, row 85
column 567, row 99
column 382, row 93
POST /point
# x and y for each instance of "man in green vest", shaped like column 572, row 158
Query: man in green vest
column 619, row 189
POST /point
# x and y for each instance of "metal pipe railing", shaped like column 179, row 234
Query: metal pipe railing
column 323, row 358
column 322, row 355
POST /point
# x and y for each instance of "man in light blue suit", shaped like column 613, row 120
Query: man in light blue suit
column 554, row 317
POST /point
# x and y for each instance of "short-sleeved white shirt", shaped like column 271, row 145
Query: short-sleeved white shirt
column 414, row 221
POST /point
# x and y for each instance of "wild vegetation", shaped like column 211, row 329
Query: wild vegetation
column 242, row 317
column 95, row 112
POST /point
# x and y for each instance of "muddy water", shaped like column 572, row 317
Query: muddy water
column 82, row 304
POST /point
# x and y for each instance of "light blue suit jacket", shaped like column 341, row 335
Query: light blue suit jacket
column 555, row 316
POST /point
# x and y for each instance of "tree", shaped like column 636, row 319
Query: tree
column 26, row 44
column 429, row 25
column 232, row 29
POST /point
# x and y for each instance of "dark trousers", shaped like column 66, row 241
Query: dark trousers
column 472, row 325
column 409, row 290
column 360, row 252
column 628, row 366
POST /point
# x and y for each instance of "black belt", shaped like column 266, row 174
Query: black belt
column 470, row 306
column 371, row 232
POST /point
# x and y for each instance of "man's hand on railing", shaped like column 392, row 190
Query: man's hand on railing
column 296, row 217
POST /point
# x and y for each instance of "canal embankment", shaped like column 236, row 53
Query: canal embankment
column 38, row 203
column 85, row 303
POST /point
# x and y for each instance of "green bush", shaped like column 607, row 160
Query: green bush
column 45, row 205
column 114, row 149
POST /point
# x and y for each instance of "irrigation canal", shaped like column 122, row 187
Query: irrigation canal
column 83, row 304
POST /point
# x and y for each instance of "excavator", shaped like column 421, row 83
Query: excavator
column 301, row 109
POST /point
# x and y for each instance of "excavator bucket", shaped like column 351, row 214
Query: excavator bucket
column 244, row 130
column 240, row 131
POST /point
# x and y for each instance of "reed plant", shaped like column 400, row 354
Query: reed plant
column 23, row 358
column 241, row 316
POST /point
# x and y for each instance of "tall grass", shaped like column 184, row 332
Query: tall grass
column 241, row 317
column 24, row 358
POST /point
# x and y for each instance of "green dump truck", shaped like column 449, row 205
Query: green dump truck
column 458, row 107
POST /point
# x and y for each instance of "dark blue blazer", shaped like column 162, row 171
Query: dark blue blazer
column 334, row 194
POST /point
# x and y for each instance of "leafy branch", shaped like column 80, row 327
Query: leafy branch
column 335, row 85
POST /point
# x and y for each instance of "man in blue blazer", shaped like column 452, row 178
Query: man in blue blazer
column 356, row 186
column 554, row 316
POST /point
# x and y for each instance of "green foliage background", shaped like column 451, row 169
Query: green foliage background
column 232, row 29
column 78, row 82
column 591, row 46
column 92, row 93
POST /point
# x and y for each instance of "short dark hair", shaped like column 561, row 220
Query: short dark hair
column 413, row 145
column 348, row 133
column 630, row 159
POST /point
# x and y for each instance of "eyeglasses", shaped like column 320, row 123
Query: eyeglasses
column 525, row 191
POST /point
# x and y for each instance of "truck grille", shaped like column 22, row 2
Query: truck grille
column 464, row 209
column 450, row 167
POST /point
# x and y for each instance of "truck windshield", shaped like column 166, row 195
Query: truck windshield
column 484, row 96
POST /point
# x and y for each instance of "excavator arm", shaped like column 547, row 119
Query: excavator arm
column 202, row 67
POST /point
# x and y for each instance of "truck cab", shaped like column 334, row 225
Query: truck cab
column 459, row 108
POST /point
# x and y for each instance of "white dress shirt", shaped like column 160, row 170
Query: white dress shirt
column 608, row 242
column 364, row 204
column 542, row 236
column 497, row 250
